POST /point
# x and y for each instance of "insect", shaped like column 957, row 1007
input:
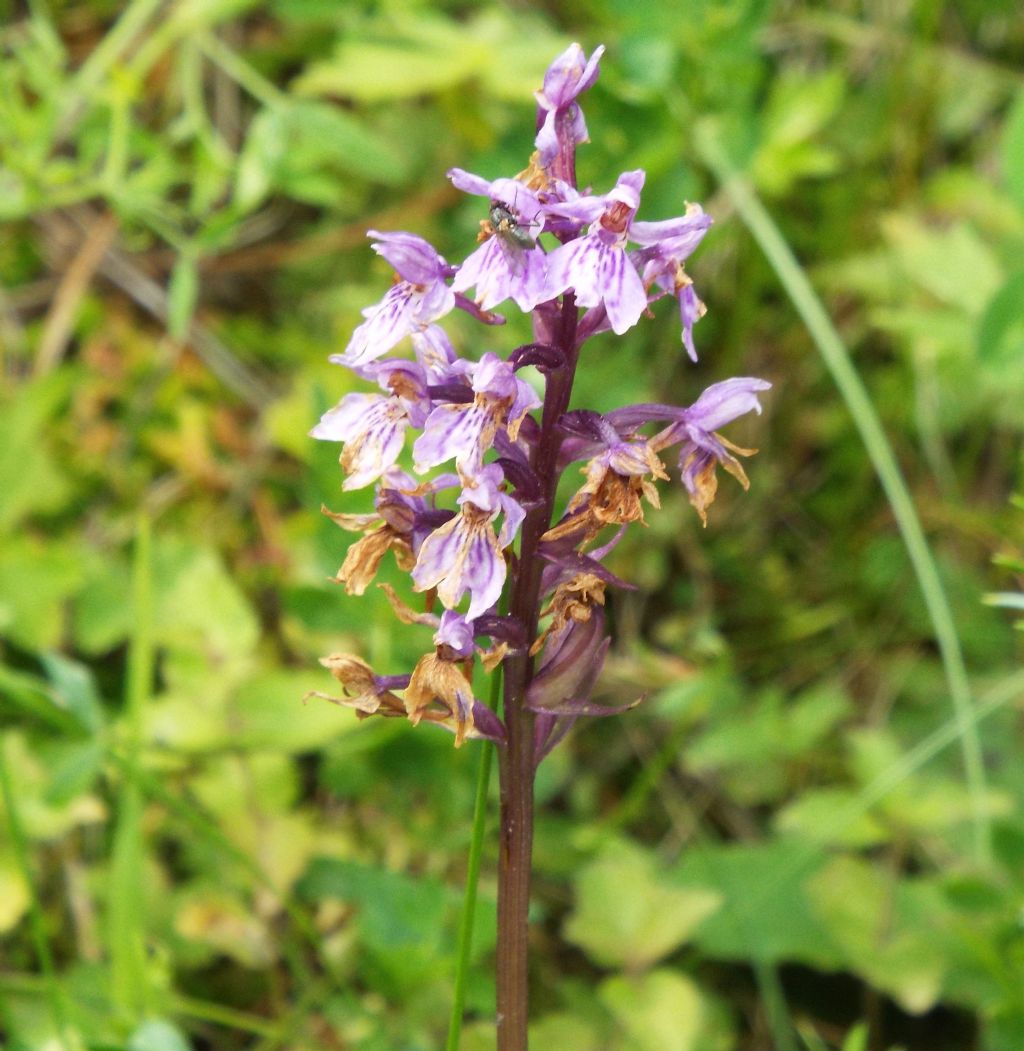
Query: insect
column 506, row 225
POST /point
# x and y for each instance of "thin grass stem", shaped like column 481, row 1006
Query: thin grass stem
column 126, row 930
column 476, row 849
column 837, row 360
column 37, row 922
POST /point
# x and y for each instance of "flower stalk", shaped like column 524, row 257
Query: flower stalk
column 494, row 467
column 517, row 765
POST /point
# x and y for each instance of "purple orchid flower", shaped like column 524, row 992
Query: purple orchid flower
column 662, row 264
column 466, row 431
column 508, row 264
column 596, row 266
column 701, row 448
column 373, row 426
column 600, row 270
column 464, row 554
column 435, row 353
column 410, row 305
column 560, row 123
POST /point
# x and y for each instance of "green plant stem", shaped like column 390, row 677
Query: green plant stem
column 58, row 1008
column 837, row 360
column 112, row 47
column 103, row 58
column 476, row 849
column 241, row 71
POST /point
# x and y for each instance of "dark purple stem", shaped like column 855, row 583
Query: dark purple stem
column 517, row 764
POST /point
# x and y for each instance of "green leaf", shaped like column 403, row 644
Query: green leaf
column 764, row 914
column 1013, row 149
column 14, row 892
column 395, row 911
column 1005, row 599
column 373, row 71
column 27, row 695
column 664, row 1011
column 815, row 815
column 567, row 1033
column 268, row 712
column 1001, row 331
column 260, row 158
column 798, row 109
column 885, row 928
column 857, row 1038
column 306, row 149
column 400, row 919
column 157, row 1035
column 101, row 617
column 76, row 690
column 36, row 582
column 925, row 252
column 74, row 770
column 628, row 914
column 182, row 294
column 30, row 479
column 43, row 817
column 199, row 607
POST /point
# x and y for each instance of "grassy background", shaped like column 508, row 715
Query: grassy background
column 784, row 847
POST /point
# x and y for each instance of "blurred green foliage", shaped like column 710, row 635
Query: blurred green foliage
column 775, row 850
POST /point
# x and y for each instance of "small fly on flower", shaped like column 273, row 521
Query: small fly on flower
column 506, row 225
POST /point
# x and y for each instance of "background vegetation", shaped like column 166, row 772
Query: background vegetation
column 810, row 836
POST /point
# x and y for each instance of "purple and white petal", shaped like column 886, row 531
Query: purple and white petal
column 568, row 76
column 386, row 325
column 514, row 515
column 434, row 302
column 624, row 297
column 452, row 432
column 484, row 573
column 345, row 420
column 599, row 273
column 482, row 489
column 370, row 453
column 560, row 123
column 571, row 205
column 499, row 271
column 462, row 555
column 525, row 399
column 435, row 353
column 438, row 554
column 691, row 310
column 467, row 182
column 681, row 235
column 455, row 632
column 628, row 458
column 627, row 189
column 723, row 402
column 416, row 260
column 373, row 429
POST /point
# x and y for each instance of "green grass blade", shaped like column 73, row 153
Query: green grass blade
column 58, row 1007
column 476, row 846
column 105, row 56
column 468, row 915
column 127, row 912
column 837, row 360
